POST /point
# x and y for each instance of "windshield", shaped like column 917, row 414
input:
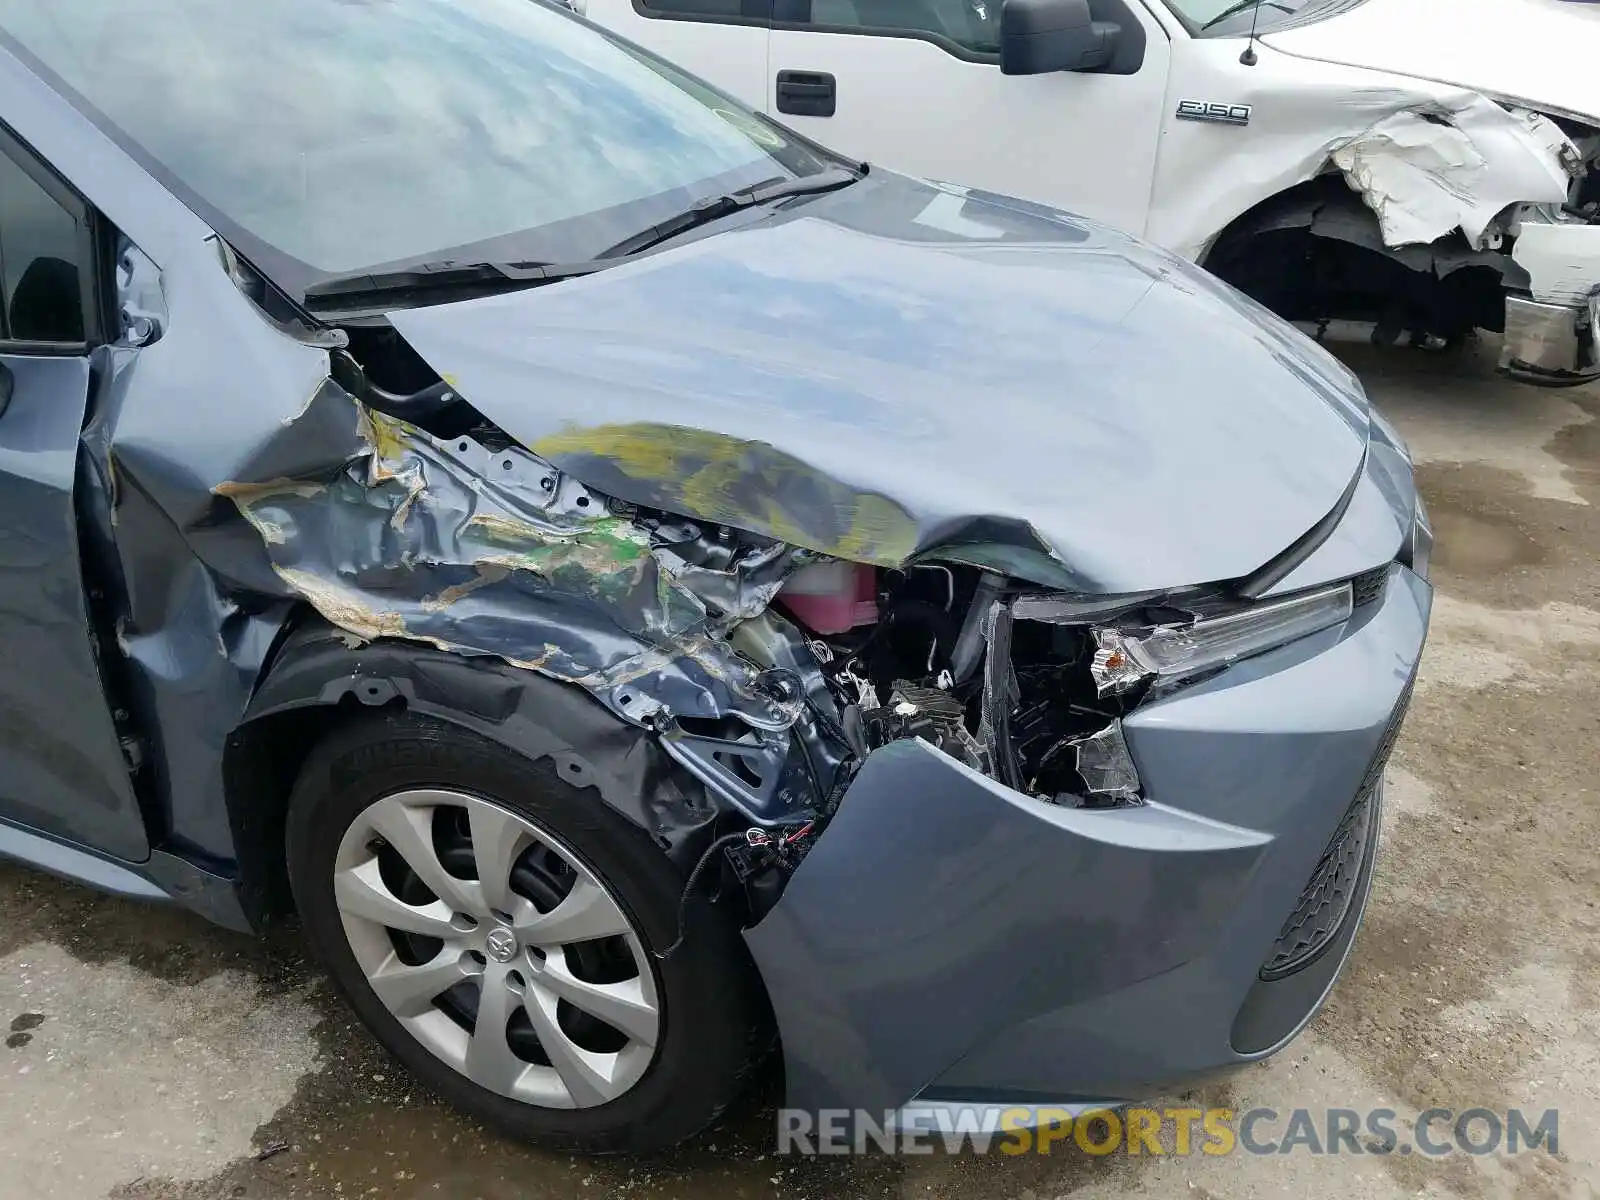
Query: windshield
column 326, row 136
column 1198, row 15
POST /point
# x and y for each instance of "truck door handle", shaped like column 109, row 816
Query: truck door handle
column 806, row 93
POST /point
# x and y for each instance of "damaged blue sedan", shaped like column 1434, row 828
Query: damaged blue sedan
column 644, row 590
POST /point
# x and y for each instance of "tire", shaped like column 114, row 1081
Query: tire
column 355, row 808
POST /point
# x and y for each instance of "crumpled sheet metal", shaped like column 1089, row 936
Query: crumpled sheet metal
column 1425, row 174
column 498, row 553
column 1562, row 261
column 739, row 482
column 372, row 522
column 1305, row 111
column 743, row 593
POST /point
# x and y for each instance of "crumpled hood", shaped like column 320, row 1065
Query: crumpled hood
column 1540, row 52
column 901, row 366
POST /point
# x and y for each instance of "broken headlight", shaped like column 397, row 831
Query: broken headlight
column 1169, row 653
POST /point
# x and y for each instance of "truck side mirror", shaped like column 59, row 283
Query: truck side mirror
column 1039, row 36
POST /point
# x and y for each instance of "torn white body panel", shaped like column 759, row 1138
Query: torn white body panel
column 1423, row 179
column 1425, row 174
column 1562, row 260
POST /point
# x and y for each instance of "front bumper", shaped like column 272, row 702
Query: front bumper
column 948, row 939
column 1553, row 334
column 1551, row 344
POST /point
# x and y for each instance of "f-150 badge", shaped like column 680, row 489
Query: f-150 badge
column 1226, row 114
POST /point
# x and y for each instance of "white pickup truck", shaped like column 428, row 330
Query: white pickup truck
column 1430, row 166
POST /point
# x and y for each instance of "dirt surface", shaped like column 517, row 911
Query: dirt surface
column 149, row 1055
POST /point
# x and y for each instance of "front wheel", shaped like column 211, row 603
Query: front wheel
column 496, row 929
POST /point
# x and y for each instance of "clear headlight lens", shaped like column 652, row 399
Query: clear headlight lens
column 1417, row 553
column 1387, row 432
column 1173, row 652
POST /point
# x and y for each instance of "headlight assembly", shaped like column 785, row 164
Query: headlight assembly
column 1169, row 653
column 1417, row 552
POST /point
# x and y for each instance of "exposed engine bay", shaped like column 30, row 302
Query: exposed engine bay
column 932, row 652
column 856, row 657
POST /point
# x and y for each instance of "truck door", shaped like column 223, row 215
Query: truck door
column 915, row 85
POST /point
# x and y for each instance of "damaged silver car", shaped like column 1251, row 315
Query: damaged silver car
column 645, row 590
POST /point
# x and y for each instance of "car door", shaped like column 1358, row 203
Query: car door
column 915, row 85
column 62, row 768
column 722, row 41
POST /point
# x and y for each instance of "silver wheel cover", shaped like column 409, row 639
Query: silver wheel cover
column 516, row 955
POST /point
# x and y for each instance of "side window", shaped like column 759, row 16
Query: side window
column 45, row 251
column 714, row 10
column 972, row 25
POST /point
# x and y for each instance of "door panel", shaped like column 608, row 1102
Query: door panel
column 61, row 766
column 1083, row 142
column 722, row 41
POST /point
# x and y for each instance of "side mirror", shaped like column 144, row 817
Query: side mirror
column 1040, row 36
column 8, row 384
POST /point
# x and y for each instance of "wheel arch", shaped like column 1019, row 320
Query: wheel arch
column 318, row 680
column 1336, row 258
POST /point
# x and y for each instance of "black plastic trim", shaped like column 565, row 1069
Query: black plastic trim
column 756, row 13
column 44, row 349
column 1253, row 585
column 807, row 93
column 1275, row 1010
column 316, row 673
column 1304, row 938
column 1311, row 15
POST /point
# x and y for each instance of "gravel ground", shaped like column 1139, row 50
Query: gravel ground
column 150, row 1055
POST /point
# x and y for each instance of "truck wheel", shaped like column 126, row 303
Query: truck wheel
column 497, row 928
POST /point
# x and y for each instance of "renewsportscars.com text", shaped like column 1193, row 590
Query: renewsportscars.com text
column 1175, row 1131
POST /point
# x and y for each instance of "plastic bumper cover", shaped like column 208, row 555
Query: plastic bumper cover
column 948, row 938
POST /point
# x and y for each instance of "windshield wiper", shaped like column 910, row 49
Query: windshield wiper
column 368, row 291
column 1233, row 10
column 714, row 208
